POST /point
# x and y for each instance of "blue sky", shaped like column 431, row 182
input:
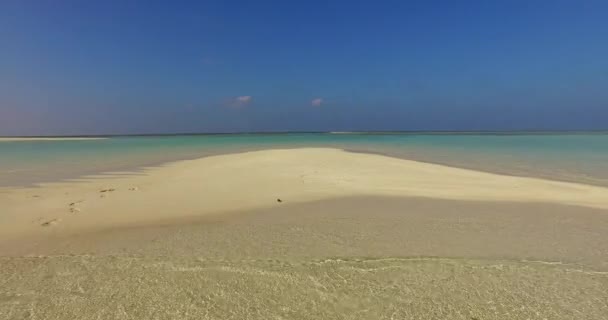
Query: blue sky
column 79, row 67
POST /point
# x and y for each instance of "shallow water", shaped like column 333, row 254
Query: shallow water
column 570, row 157
column 190, row 288
column 351, row 258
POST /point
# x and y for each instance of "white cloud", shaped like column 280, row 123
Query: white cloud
column 243, row 99
column 240, row 101
column 317, row 102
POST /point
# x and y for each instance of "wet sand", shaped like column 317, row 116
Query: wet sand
column 16, row 139
column 353, row 227
column 255, row 180
column 367, row 257
column 354, row 237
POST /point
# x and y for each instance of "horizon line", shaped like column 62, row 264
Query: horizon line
column 497, row 132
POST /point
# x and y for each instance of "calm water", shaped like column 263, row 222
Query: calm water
column 571, row 157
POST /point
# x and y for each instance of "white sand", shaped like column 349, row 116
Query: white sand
column 348, row 257
column 16, row 139
column 256, row 180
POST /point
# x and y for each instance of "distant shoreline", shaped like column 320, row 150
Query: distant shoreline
column 11, row 139
column 413, row 132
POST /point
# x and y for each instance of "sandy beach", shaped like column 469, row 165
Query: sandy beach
column 25, row 139
column 284, row 160
column 259, row 179
column 16, row 139
column 361, row 235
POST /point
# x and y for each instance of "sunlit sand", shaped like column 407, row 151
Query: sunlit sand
column 320, row 233
column 257, row 179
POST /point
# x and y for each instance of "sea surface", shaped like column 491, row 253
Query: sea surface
column 577, row 157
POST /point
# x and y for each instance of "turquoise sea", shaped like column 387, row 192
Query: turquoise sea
column 580, row 157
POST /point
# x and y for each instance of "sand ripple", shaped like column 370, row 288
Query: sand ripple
column 115, row 287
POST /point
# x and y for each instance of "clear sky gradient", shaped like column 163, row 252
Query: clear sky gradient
column 115, row 67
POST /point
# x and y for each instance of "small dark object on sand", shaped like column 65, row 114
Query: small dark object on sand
column 50, row 223
column 279, row 200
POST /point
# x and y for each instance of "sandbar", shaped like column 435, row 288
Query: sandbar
column 25, row 139
column 304, row 233
column 260, row 179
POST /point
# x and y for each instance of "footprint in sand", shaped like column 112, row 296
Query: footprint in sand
column 104, row 192
column 50, row 223
column 74, row 208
